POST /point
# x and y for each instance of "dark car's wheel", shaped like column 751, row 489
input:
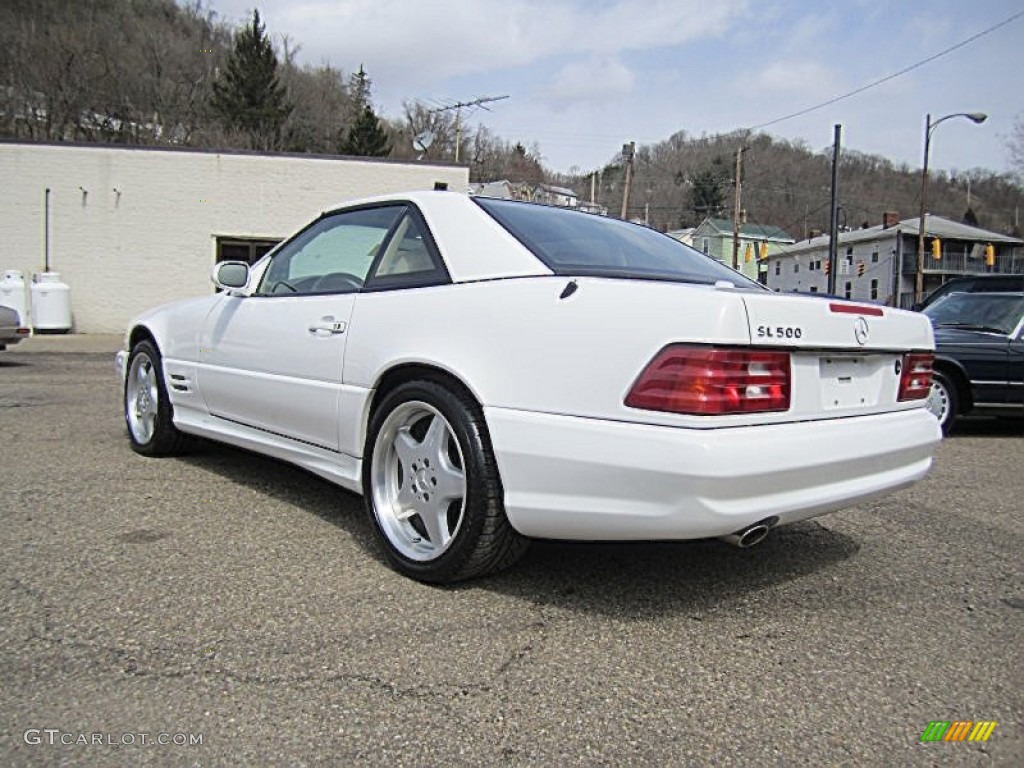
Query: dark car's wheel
column 147, row 409
column 432, row 487
column 942, row 401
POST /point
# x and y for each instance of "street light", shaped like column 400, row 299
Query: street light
column 974, row 117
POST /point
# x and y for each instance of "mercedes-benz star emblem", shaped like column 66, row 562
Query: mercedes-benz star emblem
column 860, row 331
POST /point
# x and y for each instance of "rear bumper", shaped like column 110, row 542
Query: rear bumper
column 574, row 478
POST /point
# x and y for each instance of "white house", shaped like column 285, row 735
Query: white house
column 133, row 227
column 880, row 263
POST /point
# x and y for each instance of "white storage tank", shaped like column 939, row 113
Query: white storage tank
column 14, row 294
column 51, row 303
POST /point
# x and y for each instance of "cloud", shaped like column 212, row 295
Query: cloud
column 804, row 76
column 434, row 39
column 596, row 79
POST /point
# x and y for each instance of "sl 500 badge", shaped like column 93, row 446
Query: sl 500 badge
column 779, row 332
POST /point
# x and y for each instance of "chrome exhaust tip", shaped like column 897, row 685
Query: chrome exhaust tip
column 745, row 538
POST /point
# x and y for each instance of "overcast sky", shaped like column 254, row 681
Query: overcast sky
column 584, row 76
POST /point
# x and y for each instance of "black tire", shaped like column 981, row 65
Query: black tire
column 162, row 438
column 944, row 401
column 481, row 539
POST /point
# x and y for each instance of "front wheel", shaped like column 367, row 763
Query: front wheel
column 147, row 409
column 942, row 402
column 432, row 489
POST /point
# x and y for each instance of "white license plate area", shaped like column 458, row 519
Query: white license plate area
column 850, row 382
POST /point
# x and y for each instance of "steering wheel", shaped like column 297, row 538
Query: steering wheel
column 284, row 284
column 334, row 281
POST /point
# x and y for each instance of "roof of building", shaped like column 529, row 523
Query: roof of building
column 557, row 190
column 747, row 230
column 935, row 226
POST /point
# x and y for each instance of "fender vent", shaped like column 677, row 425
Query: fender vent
column 180, row 383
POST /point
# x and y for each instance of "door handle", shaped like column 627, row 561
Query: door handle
column 328, row 325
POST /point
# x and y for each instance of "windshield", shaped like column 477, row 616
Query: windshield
column 997, row 312
column 574, row 243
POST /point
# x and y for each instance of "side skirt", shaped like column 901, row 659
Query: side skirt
column 339, row 468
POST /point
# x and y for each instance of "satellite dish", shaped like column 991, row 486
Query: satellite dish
column 422, row 141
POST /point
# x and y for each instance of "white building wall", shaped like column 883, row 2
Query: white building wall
column 851, row 255
column 133, row 228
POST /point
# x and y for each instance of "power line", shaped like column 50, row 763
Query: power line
column 892, row 76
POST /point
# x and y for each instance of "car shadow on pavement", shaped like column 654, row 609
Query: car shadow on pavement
column 632, row 580
column 287, row 483
column 644, row 579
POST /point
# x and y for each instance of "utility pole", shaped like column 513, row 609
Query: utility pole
column 833, row 217
column 458, row 107
column 628, row 152
column 593, row 188
column 737, row 202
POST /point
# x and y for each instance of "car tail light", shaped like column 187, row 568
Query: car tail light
column 916, row 380
column 710, row 381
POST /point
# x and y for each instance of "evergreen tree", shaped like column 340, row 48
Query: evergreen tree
column 707, row 196
column 365, row 137
column 359, row 90
column 249, row 97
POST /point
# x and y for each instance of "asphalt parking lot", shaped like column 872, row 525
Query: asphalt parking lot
column 232, row 599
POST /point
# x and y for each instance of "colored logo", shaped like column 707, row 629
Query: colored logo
column 958, row 730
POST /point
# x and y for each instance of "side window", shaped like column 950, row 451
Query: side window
column 333, row 255
column 410, row 259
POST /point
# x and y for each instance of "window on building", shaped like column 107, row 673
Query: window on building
column 874, row 289
column 849, row 250
column 705, row 245
column 778, row 267
column 247, row 249
column 874, row 257
column 814, row 289
column 848, row 291
column 810, row 266
column 796, row 267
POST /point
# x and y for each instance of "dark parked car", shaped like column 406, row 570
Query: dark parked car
column 979, row 355
column 975, row 284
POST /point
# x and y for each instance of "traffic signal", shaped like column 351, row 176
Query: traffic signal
column 827, row 265
column 764, row 251
column 936, row 249
column 990, row 255
column 861, row 269
column 748, row 254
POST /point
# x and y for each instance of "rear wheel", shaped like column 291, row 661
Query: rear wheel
column 432, row 488
column 147, row 409
column 942, row 401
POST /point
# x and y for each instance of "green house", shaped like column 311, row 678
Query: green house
column 756, row 243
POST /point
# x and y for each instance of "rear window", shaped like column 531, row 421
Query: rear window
column 574, row 243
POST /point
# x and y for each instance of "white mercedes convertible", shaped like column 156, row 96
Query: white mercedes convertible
column 486, row 371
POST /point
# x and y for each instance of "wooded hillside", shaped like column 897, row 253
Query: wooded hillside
column 148, row 72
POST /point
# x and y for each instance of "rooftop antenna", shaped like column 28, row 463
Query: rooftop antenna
column 458, row 107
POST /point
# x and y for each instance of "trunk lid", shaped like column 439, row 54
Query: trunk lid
column 846, row 358
column 785, row 320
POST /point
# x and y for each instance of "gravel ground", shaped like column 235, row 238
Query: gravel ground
column 243, row 602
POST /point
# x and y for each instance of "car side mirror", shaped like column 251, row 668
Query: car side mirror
column 230, row 276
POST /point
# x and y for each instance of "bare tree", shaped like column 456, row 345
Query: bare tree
column 1015, row 143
